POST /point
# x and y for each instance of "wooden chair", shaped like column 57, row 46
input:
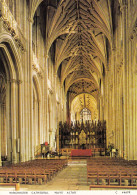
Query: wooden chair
column 11, row 176
column 30, row 177
column 21, row 176
column 41, row 177
column 3, row 176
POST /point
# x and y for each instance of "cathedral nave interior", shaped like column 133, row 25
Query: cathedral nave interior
column 67, row 79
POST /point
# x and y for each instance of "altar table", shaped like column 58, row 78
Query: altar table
column 81, row 152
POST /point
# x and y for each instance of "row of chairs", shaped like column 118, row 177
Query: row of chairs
column 111, row 171
column 33, row 172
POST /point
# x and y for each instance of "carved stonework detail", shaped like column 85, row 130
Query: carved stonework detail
column 40, row 74
column 19, row 43
column 19, row 82
column 119, row 66
column 123, row 7
column 82, row 138
column 10, row 24
column 134, row 32
column 36, row 67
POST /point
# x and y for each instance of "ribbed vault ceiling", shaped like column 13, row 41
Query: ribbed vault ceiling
column 81, row 30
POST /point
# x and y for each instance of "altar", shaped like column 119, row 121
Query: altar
column 81, row 152
column 82, row 136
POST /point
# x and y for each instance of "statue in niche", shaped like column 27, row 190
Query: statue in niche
column 82, row 139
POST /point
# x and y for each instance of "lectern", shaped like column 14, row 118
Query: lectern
column 45, row 149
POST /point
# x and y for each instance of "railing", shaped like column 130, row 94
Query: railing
column 65, row 151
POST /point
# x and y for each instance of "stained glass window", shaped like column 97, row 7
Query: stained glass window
column 85, row 115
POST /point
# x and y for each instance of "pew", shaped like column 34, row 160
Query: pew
column 35, row 172
column 111, row 171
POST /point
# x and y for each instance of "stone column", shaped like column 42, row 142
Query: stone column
column 62, row 106
column 34, row 121
column 125, row 81
column 118, row 110
column 46, row 99
column 3, row 142
column 57, row 134
column 132, row 95
column 20, row 117
column 13, row 120
column 55, row 108
column 39, row 123
column 25, row 91
column 46, row 81
column 119, row 119
column 31, row 91
column 3, row 130
column 51, row 119
column 115, row 95
column 116, row 105
column 135, row 62
column 65, row 107
column 134, row 99
column 0, row 130
column 26, row 113
column 130, row 106
column 106, row 108
column 43, row 111
column 8, row 105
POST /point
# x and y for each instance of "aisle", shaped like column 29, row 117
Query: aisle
column 73, row 177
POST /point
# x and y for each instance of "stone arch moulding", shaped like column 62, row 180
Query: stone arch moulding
column 34, row 4
column 14, row 101
column 5, row 38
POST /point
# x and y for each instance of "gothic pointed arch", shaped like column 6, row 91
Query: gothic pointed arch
column 11, row 113
column 9, row 47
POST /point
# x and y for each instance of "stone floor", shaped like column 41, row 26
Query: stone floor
column 73, row 177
